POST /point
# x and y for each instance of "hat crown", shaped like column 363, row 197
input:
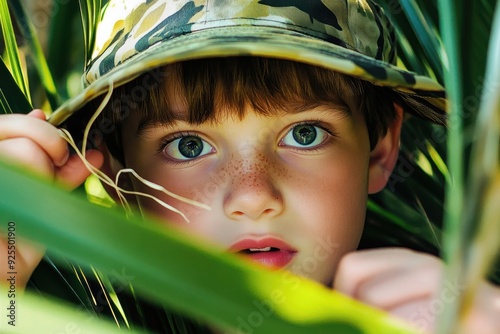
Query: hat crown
column 130, row 27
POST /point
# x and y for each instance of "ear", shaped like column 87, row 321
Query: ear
column 384, row 155
column 111, row 167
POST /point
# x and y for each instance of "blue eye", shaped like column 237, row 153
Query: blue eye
column 304, row 136
column 187, row 148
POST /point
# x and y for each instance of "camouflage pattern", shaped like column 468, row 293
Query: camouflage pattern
column 351, row 36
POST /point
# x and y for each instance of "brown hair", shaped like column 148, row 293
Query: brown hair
column 213, row 86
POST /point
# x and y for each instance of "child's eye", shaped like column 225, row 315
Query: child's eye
column 187, row 148
column 305, row 136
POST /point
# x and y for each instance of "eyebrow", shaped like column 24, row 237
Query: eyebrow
column 147, row 123
column 333, row 106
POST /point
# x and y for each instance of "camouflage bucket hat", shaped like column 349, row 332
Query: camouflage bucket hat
column 353, row 37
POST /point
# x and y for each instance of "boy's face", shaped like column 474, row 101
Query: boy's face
column 296, row 182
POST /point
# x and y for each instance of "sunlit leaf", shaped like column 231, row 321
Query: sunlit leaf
column 166, row 267
column 30, row 35
column 34, row 314
column 482, row 213
column 12, row 49
column 464, row 68
column 426, row 32
column 90, row 12
column 65, row 33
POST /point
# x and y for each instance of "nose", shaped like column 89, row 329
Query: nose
column 253, row 194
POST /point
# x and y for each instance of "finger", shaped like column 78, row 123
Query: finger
column 421, row 314
column 30, row 256
column 26, row 153
column 74, row 172
column 484, row 316
column 37, row 113
column 27, row 257
column 35, row 127
column 398, row 287
column 357, row 267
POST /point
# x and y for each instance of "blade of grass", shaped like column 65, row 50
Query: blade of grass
column 418, row 225
column 466, row 46
column 426, row 33
column 29, row 33
column 65, row 33
column 409, row 58
column 484, row 182
column 11, row 96
column 168, row 268
column 410, row 49
column 451, row 14
column 84, row 11
column 90, row 12
column 474, row 40
column 52, row 280
column 4, row 104
column 12, row 49
column 111, row 299
column 42, row 315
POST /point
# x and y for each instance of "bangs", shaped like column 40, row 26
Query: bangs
column 213, row 89
column 210, row 90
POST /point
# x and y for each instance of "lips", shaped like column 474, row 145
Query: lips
column 269, row 252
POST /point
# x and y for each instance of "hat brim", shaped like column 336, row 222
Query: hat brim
column 256, row 41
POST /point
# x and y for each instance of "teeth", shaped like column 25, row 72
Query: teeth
column 265, row 249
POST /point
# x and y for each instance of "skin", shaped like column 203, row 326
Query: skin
column 257, row 185
column 399, row 281
column 31, row 143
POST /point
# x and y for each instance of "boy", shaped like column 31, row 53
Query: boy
column 281, row 117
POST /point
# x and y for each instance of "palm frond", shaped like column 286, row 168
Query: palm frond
column 484, row 182
column 417, row 38
column 464, row 62
column 40, row 312
column 426, row 32
column 65, row 33
column 447, row 40
column 149, row 251
column 90, row 12
column 12, row 98
column 30, row 35
column 12, row 49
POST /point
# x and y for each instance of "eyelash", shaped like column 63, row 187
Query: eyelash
column 167, row 140
column 317, row 123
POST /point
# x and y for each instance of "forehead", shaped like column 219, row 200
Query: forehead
column 210, row 90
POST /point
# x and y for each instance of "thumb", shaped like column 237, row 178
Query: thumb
column 74, row 172
column 37, row 113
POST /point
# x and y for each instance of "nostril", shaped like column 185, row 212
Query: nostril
column 267, row 211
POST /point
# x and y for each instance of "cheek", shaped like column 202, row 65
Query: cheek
column 328, row 206
column 331, row 202
column 196, row 184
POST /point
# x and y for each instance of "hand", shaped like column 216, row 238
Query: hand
column 407, row 284
column 31, row 142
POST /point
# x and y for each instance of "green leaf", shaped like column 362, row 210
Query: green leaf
column 65, row 33
column 12, row 98
column 413, row 49
column 481, row 215
column 171, row 270
column 34, row 314
column 465, row 27
column 425, row 31
column 90, row 12
column 12, row 49
column 30, row 35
